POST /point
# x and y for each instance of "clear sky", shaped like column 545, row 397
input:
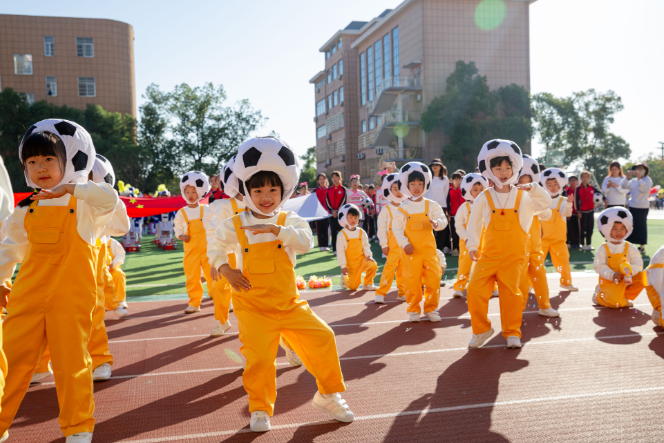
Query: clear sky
column 267, row 51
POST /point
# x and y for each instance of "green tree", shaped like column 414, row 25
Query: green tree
column 308, row 173
column 469, row 114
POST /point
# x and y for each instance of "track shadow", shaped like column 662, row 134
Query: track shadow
column 119, row 329
column 656, row 345
column 177, row 308
column 334, row 297
column 619, row 322
column 460, row 408
column 369, row 313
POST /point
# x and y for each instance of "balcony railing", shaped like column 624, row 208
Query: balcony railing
column 331, row 151
column 334, row 123
column 366, row 140
column 401, row 116
column 397, row 83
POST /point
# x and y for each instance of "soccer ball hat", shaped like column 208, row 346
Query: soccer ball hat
column 500, row 148
column 228, row 179
column 556, row 173
column 408, row 169
column 343, row 213
column 531, row 168
column 198, row 180
column 470, row 180
column 102, row 171
column 610, row 216
column 386, row 189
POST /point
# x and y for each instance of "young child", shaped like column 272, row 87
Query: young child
column 190, row 228
column 573, row 226
column 413, row 227
column 472, row 185
column 585, row 206
column 265, row 295
column 554, row 230
column 534, row 272
column 506, row 212
column 335, row 197
column 371, row 210
column 388, row 243
column 116, row 257
column 454, row 201
column 655, row 285
column 354, row 252
column 54, row 233
column 618, row 262
column 6, row 209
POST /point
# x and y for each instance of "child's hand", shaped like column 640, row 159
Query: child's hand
column 618, row 276
column 371, row 259
column 434, row 223
column 472, row 255
column 386, row 250
column 525, row 187
column 184, row 238
column 57, row 192
column 214, row 274
column 443, row 268
column 409, row 250
column 578, row 214
column 570, row 198
column 235, row 278
column 4, row 293
column 263, row 229
column 344, row 271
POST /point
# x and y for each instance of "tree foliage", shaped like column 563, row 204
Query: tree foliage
column 308, row 173
column 470, row 114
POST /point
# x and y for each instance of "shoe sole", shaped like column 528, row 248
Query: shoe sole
column 215, row 335
column 37, row 380
column 434, row 320
column 483, row 341
column 382, row 302
column 324, row 410
column 191, row 312
column 549, row 316
column 514, row 347
column 100, row 379
column 413, row 320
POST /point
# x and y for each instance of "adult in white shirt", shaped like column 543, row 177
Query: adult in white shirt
column 440, row 187
column 612, row 187
column 638, row 204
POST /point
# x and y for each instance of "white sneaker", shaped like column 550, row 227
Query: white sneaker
column 260, row 422
column 220, row 328
column 291, row 355
column 531, row 290
column 335, row 252
column 81, row 437
column 123, row 304
column 655, row 319
column 550, row 312
column 120, row 312
column 343, row 286
column 401, row 298
column 370, row 287
column 569, row 288
column 414, row 317
column 4, row 437
column 455, row 253
column 595, row 295
column 591, row 248
column 230, row 308
column 433, row 316
column 102, row 372
column 446, row 250
column 494, row 293
column 630, row 304
column 379, row 299
column 457, row 294
column 513, row 342
column 334, row 406
column 191, row 309
column 41, row 375
column 478, row 340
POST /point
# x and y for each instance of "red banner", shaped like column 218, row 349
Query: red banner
column 140, row 206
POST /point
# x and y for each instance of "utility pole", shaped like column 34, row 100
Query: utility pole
column 662, row 148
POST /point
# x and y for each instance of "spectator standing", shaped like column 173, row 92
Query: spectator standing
column 585, row 206
column 440, row 187
column 216, row 191
column 612, row 187
column 454, row 200
column 335, row 198
column 639, row 190
column 573, row 225
column 323, row 225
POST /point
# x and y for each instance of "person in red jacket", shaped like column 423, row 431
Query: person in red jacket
column 335, row 198
column 322, row 226
column 573, row 221
column 454, row 200
column 585, row 206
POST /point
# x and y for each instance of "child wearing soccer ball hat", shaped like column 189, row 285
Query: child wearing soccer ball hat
column 265, row 297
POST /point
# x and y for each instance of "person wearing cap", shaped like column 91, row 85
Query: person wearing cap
column 440, row 188
column 638, row 204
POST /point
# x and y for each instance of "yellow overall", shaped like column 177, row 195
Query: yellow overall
column 615, row 295
column 272, row 308
column 653, row 296
column 357, row 263
column 393, row 263
column 554, row 238
column 465, row 263
column 118, row 277
column 423, row 267
column 48, row 303
column 111, row 301
column 500, row 260
column 195, row 259
column 533, row 271
column 98, row 344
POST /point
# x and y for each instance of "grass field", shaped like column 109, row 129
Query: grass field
column 156, row 272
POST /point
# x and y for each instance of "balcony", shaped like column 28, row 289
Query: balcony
column 369, row 167
column 333, row 150
column 334, row 123
column 394, row 124
column 389, row 88
column 366, row 140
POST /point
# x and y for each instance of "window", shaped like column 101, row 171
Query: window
column 334, row 72
column 395, row 52
column 86, row 87
column 84, row 47
column 363, row 81
column 23, row 64
column 51, row 87
column 334, row 50
column 329, row 101
column 341, row 94
column 378, row 65
column 320, row 132
column 364, row 126
column 320, row 85
column 329, row 76
column 372, row 124
column 386, row 56
column 320, row 107
column 379, row 121
column 339, row 44
column 335, row 98
column 341, row 67
column 327, row 55
column 370, row 74
column 30, row 97
column 49, row 46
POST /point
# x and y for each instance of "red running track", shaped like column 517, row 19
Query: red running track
column 594, row 375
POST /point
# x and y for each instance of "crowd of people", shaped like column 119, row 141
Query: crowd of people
column 501, row 221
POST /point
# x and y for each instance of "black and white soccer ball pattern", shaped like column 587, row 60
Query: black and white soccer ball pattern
column 409, row 168
column 197, row 179
column 367, row 203
column 598, row 199
column 500, row 148
column 343, row 213
column 470, row 180
column 386, row 188
column 556, row 173
column 102, row 171
column 228, row 178
column 531, row 168
column 78, row 145
column 610, row 216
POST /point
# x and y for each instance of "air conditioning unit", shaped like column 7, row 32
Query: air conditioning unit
column 361, row 156
column 317, row 89
column 328, row 162
column 341, row 76
column 418, row 97
column 315, row 119
column 342, row 158
column 341, row 104
column 380, row 151
column 329, row 136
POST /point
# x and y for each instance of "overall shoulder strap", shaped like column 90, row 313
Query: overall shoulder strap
column 404, row 212
column 560, row 203
column 202, row 210
column 517, row 204
column 608, row 252
column 282, row 218
column 234, row 204
column 72, row 203
column 389, row 211
column 344, row 233
column 489, row 200
column 468, row 207
column 241, row 236
column 626, row 248
column 426, row 206
column 184, row 214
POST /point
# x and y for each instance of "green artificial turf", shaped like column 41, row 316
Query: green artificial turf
column 156, row 272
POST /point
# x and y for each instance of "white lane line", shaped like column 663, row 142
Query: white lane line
column 166, row 338
column 591, row 395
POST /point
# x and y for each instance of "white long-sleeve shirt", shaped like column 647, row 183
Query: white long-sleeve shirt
column 6, row 193
column 460, row 219
column 438, row 191
column 220, row 210
column 639, row 190
column 118, row 252
column 94, row 210
column 601, row 261
column 656, row 275
column 384, row 220
column 441, row 258
column 565, row 208
column 192, row 214
column 342, row 244
column 614, row 196
column 119, row 224
column 532, row 202
column 416, row 207
column 356, row 197
column 295, row 234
